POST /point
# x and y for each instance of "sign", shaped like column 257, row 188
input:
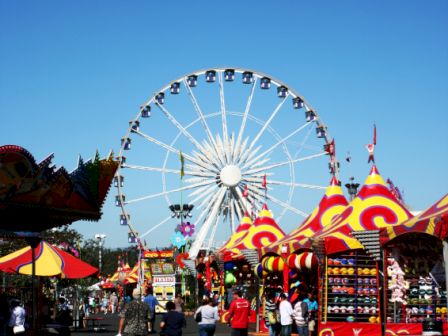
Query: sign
column 162, row 268
column 148, row 254
column 160, row 280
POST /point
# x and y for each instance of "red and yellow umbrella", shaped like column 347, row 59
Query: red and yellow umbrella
column 49, row 261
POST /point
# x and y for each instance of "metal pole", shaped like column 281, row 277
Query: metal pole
column 445, row 261
column 257, row 304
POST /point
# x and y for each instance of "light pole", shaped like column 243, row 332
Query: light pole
column 352, row 188
column 100, row 237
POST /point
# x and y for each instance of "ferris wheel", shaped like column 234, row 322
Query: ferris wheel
column 218, row 143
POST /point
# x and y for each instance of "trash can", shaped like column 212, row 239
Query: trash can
column 432, row 327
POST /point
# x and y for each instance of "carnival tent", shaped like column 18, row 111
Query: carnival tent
column 433, row 221
column 264, row 231
column 241, row 231
column 375, row 207
column 331, row 205
column 132, row 277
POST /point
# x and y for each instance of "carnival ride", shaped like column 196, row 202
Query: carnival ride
column 237, row 154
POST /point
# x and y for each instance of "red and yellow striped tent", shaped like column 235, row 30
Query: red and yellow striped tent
column 241, row 231
column 264, row 231
column 331, row 205
column 374, row 208
column 433, row 221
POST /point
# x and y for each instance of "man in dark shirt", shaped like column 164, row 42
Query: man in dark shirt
column 239, row 311
column 173, row 321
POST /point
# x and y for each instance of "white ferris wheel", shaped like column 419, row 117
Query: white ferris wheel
column 245, row 137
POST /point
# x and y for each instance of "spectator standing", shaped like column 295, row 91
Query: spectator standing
column 113, row 302
column 312, row 313
column 172, row 321
column 239, row 311
column 271, row 314
column 152, row 302
column 209, row 313
column 301, row 316
column 179, row 303
column 134, row 317
column 17, row 319
column 286, row 315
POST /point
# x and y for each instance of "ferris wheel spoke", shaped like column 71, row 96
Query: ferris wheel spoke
column 244, row 204
column 223, row 108
column 237, row 149
column 256, row 170
column 247, row 155
column 300, row 185
column 171, row 149
column 201, row 190
column 268, row 122
column 201, row 115
column 303, row 142
column 270, row 149
column 145, row 168
column 259, row 163
column 191, row 186
column 179, row 127
column 197, row 244
column 287, row 206
column 205, row 196
column 155, row 227
column 166, row 170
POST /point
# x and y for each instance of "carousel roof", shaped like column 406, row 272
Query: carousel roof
column 433, row 221
column 331, row 205
column 37, row 196
column 241, row 231
column 374, row 207
column 263, row 232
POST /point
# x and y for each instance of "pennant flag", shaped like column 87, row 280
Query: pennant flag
column 370, row 148
column 264, row 183
column 245, row 191
column 182, row 163
column 374, row 134
column 330, row 148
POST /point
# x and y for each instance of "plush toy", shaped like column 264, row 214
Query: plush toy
column 397, row 284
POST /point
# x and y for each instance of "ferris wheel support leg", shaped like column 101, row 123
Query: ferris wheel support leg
column 197, row 244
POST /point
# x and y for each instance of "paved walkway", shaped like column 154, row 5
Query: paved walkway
column 109, row 327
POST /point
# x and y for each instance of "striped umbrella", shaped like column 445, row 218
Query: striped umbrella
column 49, row 261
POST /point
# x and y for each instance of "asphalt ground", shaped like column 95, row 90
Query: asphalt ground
column 109, row 326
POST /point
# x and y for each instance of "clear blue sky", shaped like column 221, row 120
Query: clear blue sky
column 73, row 73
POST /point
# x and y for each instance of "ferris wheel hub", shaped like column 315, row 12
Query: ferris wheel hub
column 230, row 175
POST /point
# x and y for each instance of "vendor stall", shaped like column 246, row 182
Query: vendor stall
column 350, row 272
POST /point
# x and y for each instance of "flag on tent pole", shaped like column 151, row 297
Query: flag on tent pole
column 246, row 191
column 182, row 163
column 264, row 183
column 371, row 146
column 374, row 134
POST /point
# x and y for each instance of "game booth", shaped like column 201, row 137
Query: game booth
column 376, row 285
column 290, row 265
column 240, row 255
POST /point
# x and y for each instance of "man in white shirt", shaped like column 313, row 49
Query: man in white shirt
column 286, row 315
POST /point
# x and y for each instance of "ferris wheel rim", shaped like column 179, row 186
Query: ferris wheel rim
column 257, row 75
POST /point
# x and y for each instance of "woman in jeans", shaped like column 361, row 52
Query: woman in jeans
column 207, row 325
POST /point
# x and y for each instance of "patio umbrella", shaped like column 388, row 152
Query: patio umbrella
column 49, row 261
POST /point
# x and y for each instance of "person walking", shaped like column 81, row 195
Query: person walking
column 301, row 316
column 209, row 316
column 312, row 313
column 113, row 302
column 179, row 303
column 172, row 321
column 17, row 319
column 134, row 317
column 239, row 311
column 271, row 314
column 151, row 301
column 286, row 315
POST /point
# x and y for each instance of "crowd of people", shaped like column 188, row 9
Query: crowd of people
column 281, row 315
